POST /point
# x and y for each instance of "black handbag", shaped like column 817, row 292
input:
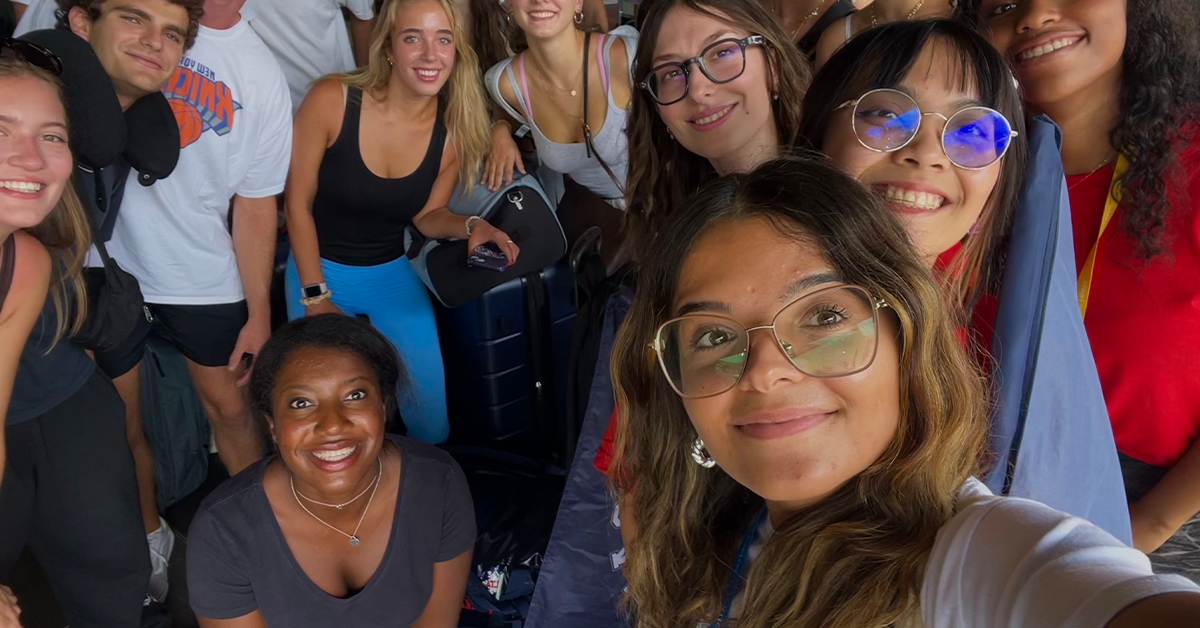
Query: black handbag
column 520, row 209
column 114, row 304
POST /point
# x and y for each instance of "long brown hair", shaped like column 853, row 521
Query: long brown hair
column 466, row 105
column 662, row 173
column 856, row 559
column 64, row 232
column 883, row 57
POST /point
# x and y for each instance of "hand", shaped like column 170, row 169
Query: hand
column 324, row 307
column 1149, row 529
column 482, row 232
column 9, row 611
column 250, row 341
column 503, row 157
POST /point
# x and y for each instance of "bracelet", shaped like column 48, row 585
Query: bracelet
column 502, row 121
column 320, row 298
column 471, row 220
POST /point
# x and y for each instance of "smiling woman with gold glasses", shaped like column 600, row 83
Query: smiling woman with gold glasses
column 801, row 430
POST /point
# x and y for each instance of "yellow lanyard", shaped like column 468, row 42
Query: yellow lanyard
column 1110, row 208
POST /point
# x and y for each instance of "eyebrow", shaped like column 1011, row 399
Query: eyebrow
column 799, row 286
column 807, row 283
column 310, row 389
column 9, row 120
column 704, row 44
column 441, row 31
column 961, row 103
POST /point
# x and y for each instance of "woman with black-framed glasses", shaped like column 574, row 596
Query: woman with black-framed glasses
column 719, row 89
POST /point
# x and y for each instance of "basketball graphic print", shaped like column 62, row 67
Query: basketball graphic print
column 200, row 102
column 191, row 125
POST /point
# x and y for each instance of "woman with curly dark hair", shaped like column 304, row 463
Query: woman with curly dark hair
column 1122, row 79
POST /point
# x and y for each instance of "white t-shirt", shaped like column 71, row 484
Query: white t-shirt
column 235, row 123
column 39, row 15
column 309, row 38
column 1003, row 562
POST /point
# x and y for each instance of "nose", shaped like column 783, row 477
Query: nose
column 1035, row 15
column 427, row 50
column 925, row 149
column 152, row 38
column 767, row 365
column 330, row 421
column 26, row 154
column 699, row 87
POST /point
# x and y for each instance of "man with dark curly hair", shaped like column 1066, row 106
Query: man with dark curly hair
column 139, row 42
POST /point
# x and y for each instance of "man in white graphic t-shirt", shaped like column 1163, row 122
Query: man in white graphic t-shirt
column 310, row 38
column 206, row 285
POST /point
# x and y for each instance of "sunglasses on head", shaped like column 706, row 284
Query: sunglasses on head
column 886, row 120
column 721, row 62
column 33, row 54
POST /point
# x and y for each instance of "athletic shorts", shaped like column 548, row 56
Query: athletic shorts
column 205, row 334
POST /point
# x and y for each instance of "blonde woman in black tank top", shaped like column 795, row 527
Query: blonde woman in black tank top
column 375, row 152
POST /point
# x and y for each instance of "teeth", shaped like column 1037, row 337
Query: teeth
column 541, row 15
column 428, row 73
column 713, row 118
column 922, row 200
column 1046, row 49
column 336, row 455
column 25, row 187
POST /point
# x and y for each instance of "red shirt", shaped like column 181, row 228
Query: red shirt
column 1143, row 317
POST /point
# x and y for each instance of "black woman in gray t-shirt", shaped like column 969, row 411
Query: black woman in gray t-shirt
column 346, row 526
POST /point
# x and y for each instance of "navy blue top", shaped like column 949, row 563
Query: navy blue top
column 45, row 380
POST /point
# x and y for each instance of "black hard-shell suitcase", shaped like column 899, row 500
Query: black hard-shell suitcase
column 506, row 357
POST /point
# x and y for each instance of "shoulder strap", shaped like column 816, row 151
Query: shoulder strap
column 839, row 10
column 8, row 257
column 587, row 129
column 525, row 85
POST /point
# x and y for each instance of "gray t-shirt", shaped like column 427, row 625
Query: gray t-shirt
column 238, row 560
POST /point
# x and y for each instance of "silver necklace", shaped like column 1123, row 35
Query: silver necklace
column 353, row 536
column 1094, row 170
column 342, row 505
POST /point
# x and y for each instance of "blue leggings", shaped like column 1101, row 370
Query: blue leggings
column 394, row 299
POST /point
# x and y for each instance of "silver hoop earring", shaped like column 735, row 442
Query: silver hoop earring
column 579, row 17
column 671, row 135
column 700, row 455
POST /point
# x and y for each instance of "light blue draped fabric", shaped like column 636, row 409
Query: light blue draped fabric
column 1051, row 437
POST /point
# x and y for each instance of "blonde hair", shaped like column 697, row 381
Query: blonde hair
column 467, row 112
column 856, row 559
column 65, row 232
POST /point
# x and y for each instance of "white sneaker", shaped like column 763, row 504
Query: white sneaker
column 162, row 542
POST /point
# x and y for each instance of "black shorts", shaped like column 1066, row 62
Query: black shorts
column 205, row 334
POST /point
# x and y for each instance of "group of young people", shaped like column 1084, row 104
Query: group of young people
column 819, row 473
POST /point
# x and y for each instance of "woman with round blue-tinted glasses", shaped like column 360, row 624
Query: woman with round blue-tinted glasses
column 927, row 115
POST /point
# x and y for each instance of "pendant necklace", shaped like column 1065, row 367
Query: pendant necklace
column 352, row 536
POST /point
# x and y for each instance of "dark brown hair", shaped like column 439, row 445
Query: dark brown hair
column 195, row 11
column 858, row 557
column 662, row 173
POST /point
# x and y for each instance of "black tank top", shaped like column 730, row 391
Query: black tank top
column 361, row 217
column 8, row 255
column 839, row 10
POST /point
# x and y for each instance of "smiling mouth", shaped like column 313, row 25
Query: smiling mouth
column 713, row 118
column 1051, row 46
column 335, row 455
column 541, row 15
column 24, row 187
column 912, row 198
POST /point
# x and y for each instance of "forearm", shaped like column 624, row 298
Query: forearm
column 442, row 223
column 360, row 35
column 254, row 232
column 1176, row 497
column 302, row 234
